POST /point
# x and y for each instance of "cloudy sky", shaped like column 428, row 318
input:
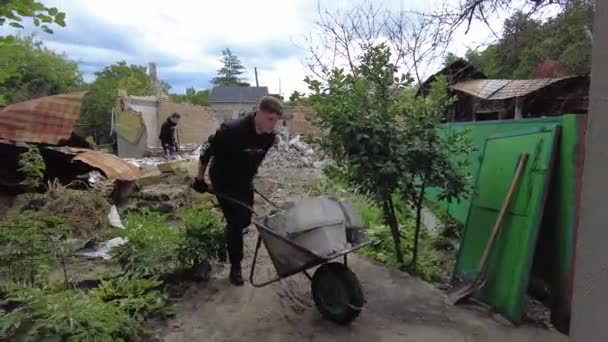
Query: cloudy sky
column 185, row 37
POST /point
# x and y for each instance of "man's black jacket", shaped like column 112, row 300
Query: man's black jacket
column 237, row 151
column 167, row 133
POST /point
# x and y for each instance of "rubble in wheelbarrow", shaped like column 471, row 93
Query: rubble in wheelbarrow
column 321, row 224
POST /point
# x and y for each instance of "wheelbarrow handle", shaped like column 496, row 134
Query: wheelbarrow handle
column 245, row 204
column 267, row 199
column 241, row 203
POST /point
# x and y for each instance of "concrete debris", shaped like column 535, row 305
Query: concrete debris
column 95, row 177
column 103, row 250
column 293, row 153
column 114, row 218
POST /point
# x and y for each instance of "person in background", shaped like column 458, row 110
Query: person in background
column 235, row 152
column 167, row 135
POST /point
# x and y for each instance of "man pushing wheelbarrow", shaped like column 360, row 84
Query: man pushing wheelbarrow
column 235, row 152
column 307, row 235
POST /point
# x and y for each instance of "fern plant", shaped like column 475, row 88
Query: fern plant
column 32, row 168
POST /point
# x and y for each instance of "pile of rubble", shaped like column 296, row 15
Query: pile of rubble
column 293, row 153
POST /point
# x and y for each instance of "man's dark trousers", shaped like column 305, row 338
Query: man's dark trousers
column 237, row 219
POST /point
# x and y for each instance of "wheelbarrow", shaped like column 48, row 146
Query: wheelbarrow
column 336, row 290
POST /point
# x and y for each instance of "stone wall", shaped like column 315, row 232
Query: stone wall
column 196, row 124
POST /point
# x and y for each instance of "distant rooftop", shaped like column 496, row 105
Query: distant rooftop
column 237, row 94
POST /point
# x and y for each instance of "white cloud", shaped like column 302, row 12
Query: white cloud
column 189, row 35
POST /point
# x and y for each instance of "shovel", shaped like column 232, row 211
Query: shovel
column 467, row 289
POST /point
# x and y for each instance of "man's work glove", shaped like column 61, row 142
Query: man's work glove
column 199, row 185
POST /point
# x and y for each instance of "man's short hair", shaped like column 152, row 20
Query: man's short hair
column 271, row 104
column 176, row 115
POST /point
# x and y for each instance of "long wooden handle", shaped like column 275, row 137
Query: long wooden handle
column 503, row 211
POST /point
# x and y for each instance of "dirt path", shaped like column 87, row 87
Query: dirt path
column 400, row 308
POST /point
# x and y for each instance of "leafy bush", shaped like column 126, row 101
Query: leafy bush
column 154, row 248
column 140, row 298
column 152, row 245
column 64, row 316
column 202, row 237
column 30, row 245
column 32, row 167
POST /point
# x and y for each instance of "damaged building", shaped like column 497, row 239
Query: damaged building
column 49, row 123
column 137, row 121
column 479, row 98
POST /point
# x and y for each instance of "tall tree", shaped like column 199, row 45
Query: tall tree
column 97, row 107
column 31, row 70
column 565, row 39
column 230, row 73
column 12, row 13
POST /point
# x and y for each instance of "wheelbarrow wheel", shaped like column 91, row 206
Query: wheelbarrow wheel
column 337, row 293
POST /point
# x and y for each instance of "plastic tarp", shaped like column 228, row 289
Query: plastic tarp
column 510, row 260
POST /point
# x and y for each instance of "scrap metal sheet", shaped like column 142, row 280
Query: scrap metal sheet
column 503, row 89
column 112, row 166
column 46, row 120
column 510, row 260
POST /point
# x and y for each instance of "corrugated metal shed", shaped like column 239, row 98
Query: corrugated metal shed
column 237, row 94
column 503, row 89
column 45, row 120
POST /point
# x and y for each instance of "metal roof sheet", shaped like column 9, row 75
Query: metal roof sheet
column 503, row 89
column 46, row 120
column 112, row 166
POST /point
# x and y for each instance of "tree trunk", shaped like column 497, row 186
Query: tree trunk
column 419, row 203
column 391, row 220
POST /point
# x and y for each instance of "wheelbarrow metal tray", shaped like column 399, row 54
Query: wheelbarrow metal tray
column 290, row 258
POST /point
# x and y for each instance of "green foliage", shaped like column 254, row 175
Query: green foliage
column 430, row 161
column 29, row 70
column 526, row 42
column 152, row 245
column 13, row 12
column 97, row 106
column 156, row 249
column 230, row 73
column 140, row 298
column 385, row 140
column 193, row 96
column 203, row 236
column 430, row 152
column 297, row 99
column 32, row 167
column 358, row 112
column 30, row 247
column 63, row 316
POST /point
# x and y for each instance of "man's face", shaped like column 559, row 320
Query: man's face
column 175, row 120
column 266, row 121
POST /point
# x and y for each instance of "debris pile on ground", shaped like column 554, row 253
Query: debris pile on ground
column 294, row 153
column 85, row 211
column 165, row 198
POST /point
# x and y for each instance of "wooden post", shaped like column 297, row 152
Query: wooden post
column 590, row 298
column 518, row 108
